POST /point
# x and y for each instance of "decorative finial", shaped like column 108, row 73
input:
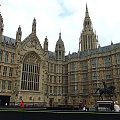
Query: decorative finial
column 86, row 6
column 46, row 38
column 34, row 26
column 0, row 8
column 60, row 35
column 19, row 28
column 111, row 42
column 87, row 13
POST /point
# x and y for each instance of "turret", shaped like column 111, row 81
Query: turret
column 46, row 44
column 1, row 27
column 34, row 26
column 18, row 36
column 60, row 50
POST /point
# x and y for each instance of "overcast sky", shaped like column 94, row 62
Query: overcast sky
column 67, row 16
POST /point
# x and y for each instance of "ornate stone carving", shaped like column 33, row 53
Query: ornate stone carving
column 32, row 58
column 32, row 43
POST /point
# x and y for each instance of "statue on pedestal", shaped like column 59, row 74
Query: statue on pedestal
column 106, row 91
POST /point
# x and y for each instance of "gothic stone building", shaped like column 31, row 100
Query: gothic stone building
column 31, row 72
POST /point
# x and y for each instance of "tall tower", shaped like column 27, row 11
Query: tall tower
column 1, row 27
column 88, row 39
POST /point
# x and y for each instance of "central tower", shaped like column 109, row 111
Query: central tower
column 88, row 39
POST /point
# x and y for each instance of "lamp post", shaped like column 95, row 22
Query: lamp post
column 33, row 102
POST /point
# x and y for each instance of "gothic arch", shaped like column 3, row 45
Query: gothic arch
column 31, row 57
column 30, row 79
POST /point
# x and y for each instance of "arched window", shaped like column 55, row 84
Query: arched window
column 6, row 57
column 30, row 72
column 1, row 55
column 12, row 58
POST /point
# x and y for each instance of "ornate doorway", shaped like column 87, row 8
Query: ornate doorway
column 51, row 101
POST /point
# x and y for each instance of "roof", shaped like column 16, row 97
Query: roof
column 100, row 50
column 8, row 41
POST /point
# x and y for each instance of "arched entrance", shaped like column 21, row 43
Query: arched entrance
column 4, row 100
column 51, row 101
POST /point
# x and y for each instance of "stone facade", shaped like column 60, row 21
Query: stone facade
column 35, row 74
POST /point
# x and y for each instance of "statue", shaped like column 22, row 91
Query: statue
column 106, row 90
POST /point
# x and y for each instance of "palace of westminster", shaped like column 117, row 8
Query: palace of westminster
column 32, row 73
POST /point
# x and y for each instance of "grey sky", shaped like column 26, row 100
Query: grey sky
column 67, row 16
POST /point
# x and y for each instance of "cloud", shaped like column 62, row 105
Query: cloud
column 65, row 10
column 67, row 15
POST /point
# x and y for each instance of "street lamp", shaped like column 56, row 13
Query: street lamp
column 33, row 101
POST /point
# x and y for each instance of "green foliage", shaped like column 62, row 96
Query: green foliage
column 21, row 110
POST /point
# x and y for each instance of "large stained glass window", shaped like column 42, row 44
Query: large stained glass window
column 31, row 72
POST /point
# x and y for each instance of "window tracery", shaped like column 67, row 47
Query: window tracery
column 30, row 72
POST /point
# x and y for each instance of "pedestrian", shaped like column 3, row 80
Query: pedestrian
column 116, row 107
column 81, row 105
column 6, row 104
column 22, row 104
column 84, row 108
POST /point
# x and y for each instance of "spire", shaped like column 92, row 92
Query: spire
column 18, row 34
column 34, row 26
column 60, row 36
column 46, row 39
column 87, row 21
column 1, row 27
column 19, row 29
column 46, row 44
column 88, row 39
column 111, row 42
column 1, row 23
column 86, row 13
